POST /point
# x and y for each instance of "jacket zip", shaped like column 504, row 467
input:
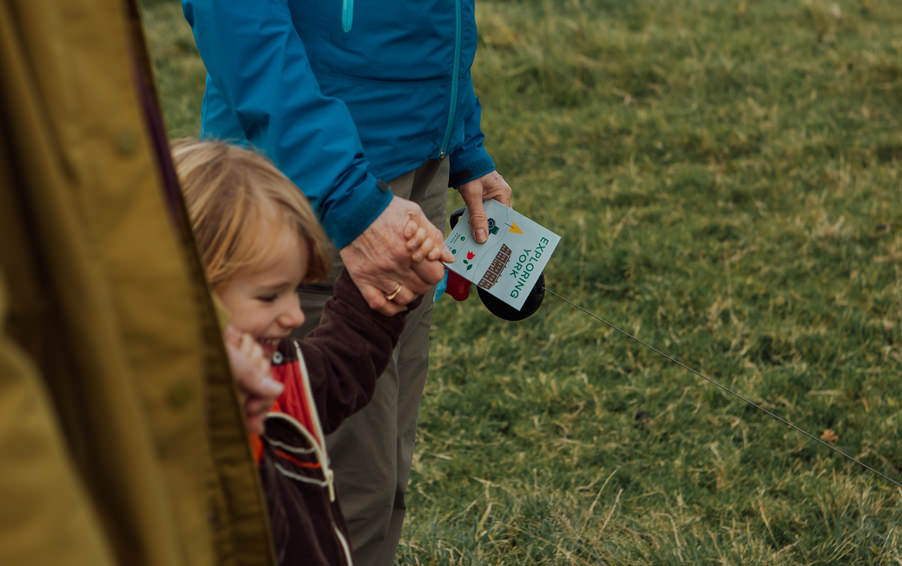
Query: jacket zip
column 454, row 78
column 319, row 450
column 322, row 454
column 347, row 15
column 317, row 428
column 324, row 463
column 318, row 431
column 344, row 544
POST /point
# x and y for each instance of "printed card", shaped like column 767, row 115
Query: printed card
column 508, row 264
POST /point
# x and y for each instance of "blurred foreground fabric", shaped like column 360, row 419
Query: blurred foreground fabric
column 121, row 439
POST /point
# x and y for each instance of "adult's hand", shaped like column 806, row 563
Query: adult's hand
column 488, row 187
column 379, row 259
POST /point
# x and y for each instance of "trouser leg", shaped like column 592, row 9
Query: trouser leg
column 371, row 452
column 430, row 192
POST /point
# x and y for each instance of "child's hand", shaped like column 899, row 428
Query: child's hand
column 421, row 246
column 257, row 389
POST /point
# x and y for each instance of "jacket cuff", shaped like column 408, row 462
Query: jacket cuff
column 471, row 165
column 344, row 223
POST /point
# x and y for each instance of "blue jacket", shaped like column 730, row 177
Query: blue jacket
column 343, row 93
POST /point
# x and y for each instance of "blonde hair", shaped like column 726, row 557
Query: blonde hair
column 234, row 196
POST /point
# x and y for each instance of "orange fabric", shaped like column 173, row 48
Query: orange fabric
column 294, row 401
column 256, row 441
column 256, row 447
column 295, row 461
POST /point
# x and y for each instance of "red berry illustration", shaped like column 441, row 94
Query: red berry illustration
column 470, row 255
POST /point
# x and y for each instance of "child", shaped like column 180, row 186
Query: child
column 259, row 240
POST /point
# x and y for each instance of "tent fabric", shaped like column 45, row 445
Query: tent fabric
column 121, row 427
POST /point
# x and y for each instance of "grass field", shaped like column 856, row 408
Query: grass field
column 727, row 180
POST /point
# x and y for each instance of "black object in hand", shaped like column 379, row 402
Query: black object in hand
column 498, row 307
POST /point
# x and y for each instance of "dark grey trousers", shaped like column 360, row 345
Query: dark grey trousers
column 371, row 452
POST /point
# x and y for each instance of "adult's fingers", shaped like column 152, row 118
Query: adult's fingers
column 496, row 188
column 430, row 273
column 479, row 225
column 491, row 186
column 377, row 301
column 378, row 259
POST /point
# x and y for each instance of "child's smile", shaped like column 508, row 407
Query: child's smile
column 263, row 299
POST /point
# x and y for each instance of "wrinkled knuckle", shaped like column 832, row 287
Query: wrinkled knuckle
column 417, row 289
column 387, row 262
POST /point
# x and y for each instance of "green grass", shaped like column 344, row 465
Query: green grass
column 727, row 180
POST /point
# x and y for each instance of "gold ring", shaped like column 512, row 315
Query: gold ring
column 391, row 296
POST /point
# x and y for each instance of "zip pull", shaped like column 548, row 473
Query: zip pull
column 330, row 481
column 347, row 15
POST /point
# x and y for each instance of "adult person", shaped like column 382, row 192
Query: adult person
column 342, row 96
column 121, row 437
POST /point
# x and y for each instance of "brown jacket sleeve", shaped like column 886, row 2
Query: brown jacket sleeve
column 347, row 352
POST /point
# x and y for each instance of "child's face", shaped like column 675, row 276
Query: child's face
column 263, row 301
